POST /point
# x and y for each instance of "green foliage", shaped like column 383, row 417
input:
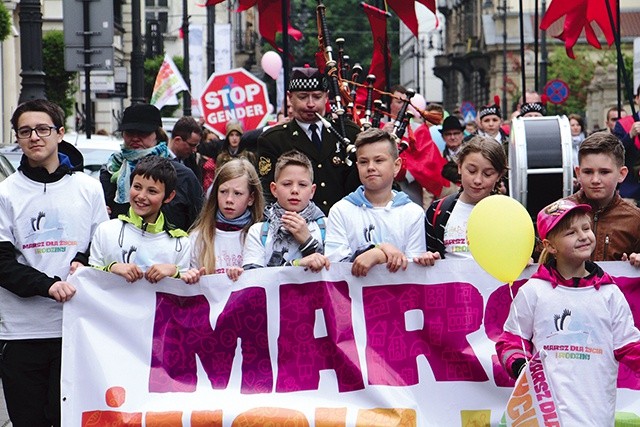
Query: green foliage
column 578, row 74
column 577, row 78
column 59, row 84
column 151, row 68
column 5, row 22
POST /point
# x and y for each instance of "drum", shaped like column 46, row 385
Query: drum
column 540, row 161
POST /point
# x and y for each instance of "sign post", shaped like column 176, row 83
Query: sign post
column 88, row 43
column 557, row 91
column 234, row 95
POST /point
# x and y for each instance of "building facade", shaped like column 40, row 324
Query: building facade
column 236, row 45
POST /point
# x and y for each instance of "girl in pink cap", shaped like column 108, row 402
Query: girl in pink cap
column 573, row 314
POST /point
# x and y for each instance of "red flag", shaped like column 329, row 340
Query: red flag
column 406, row 11
column 378, row 22
column 424, row 160
column 270, row 18
column 579, row 15
column 270, row 12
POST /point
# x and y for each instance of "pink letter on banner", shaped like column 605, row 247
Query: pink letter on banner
column 495, row 315
column 301, row 355
column 630, row 287
column 182, row 330
column 451, row 311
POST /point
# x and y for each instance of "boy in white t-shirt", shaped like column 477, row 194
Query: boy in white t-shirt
column 142, row 243
column 375, row 224
column 49, row 211
column 293, row 233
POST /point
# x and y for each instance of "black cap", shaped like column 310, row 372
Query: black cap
column 307, row 79
column 141, row 117
column 533, row 107
column 491, row 109
column 451, row 123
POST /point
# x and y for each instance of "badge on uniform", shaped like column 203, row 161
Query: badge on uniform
column 264, row 166
column 336, row 160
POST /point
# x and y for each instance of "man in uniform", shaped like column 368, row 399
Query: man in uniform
column 334, row 175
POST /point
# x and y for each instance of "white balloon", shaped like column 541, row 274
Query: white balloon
column 271, row 64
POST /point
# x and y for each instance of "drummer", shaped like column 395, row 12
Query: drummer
column 490, row 124
column 534, row 109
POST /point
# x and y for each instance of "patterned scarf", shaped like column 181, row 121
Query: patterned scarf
column 235, row 224
column 121, row 165
column 281, row 237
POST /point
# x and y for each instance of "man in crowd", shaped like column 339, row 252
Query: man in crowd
column 335, row 175
column 627, row 129
column 142, row 132
column 613, row 117
column 185, row 138
column 452, row 132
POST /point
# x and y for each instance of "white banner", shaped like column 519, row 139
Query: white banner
column 223, row 52
column 197, row 66
column 291, row 347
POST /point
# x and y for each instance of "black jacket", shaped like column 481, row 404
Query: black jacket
column 181, row 212
column 333, row 178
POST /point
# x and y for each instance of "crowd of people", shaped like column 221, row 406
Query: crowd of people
column 294, row 195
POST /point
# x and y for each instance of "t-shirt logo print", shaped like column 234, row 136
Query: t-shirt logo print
column 562, row 320
column 368, row 233
column 128, row 257
column 38, row 222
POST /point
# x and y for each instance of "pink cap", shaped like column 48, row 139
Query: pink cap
column 551, row 215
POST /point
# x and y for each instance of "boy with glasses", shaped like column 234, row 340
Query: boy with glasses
column 49, row 211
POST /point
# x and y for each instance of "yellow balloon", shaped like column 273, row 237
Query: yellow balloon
column 501, row 237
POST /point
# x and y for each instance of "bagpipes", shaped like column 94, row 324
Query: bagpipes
column 331, row 66
column 343, row 92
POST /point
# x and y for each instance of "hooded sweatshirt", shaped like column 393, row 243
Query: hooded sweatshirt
column 354, row 225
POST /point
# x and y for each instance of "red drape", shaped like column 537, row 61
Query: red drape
column 270, row 21
column 405, row 9
column 579, row 15
column 378, row 22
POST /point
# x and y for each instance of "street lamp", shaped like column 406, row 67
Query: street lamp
column 186, row 96
column 137, row 57
column 31, row 51
column 503, row 8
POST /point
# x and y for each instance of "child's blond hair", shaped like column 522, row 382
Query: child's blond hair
column 292, row 158
column 205, row 224
column 372, row 135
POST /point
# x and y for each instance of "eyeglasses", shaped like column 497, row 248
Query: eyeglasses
column 41, row 130
column 191, row 144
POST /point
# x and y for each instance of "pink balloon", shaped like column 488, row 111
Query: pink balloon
column 271, row 64
column 419, row 102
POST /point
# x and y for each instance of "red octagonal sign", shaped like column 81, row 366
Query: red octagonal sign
column 235, row 95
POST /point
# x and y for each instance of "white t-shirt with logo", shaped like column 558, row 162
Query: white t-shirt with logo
column 228, row 249
column 48, row 224
column 455, row 241
column 576, row 330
